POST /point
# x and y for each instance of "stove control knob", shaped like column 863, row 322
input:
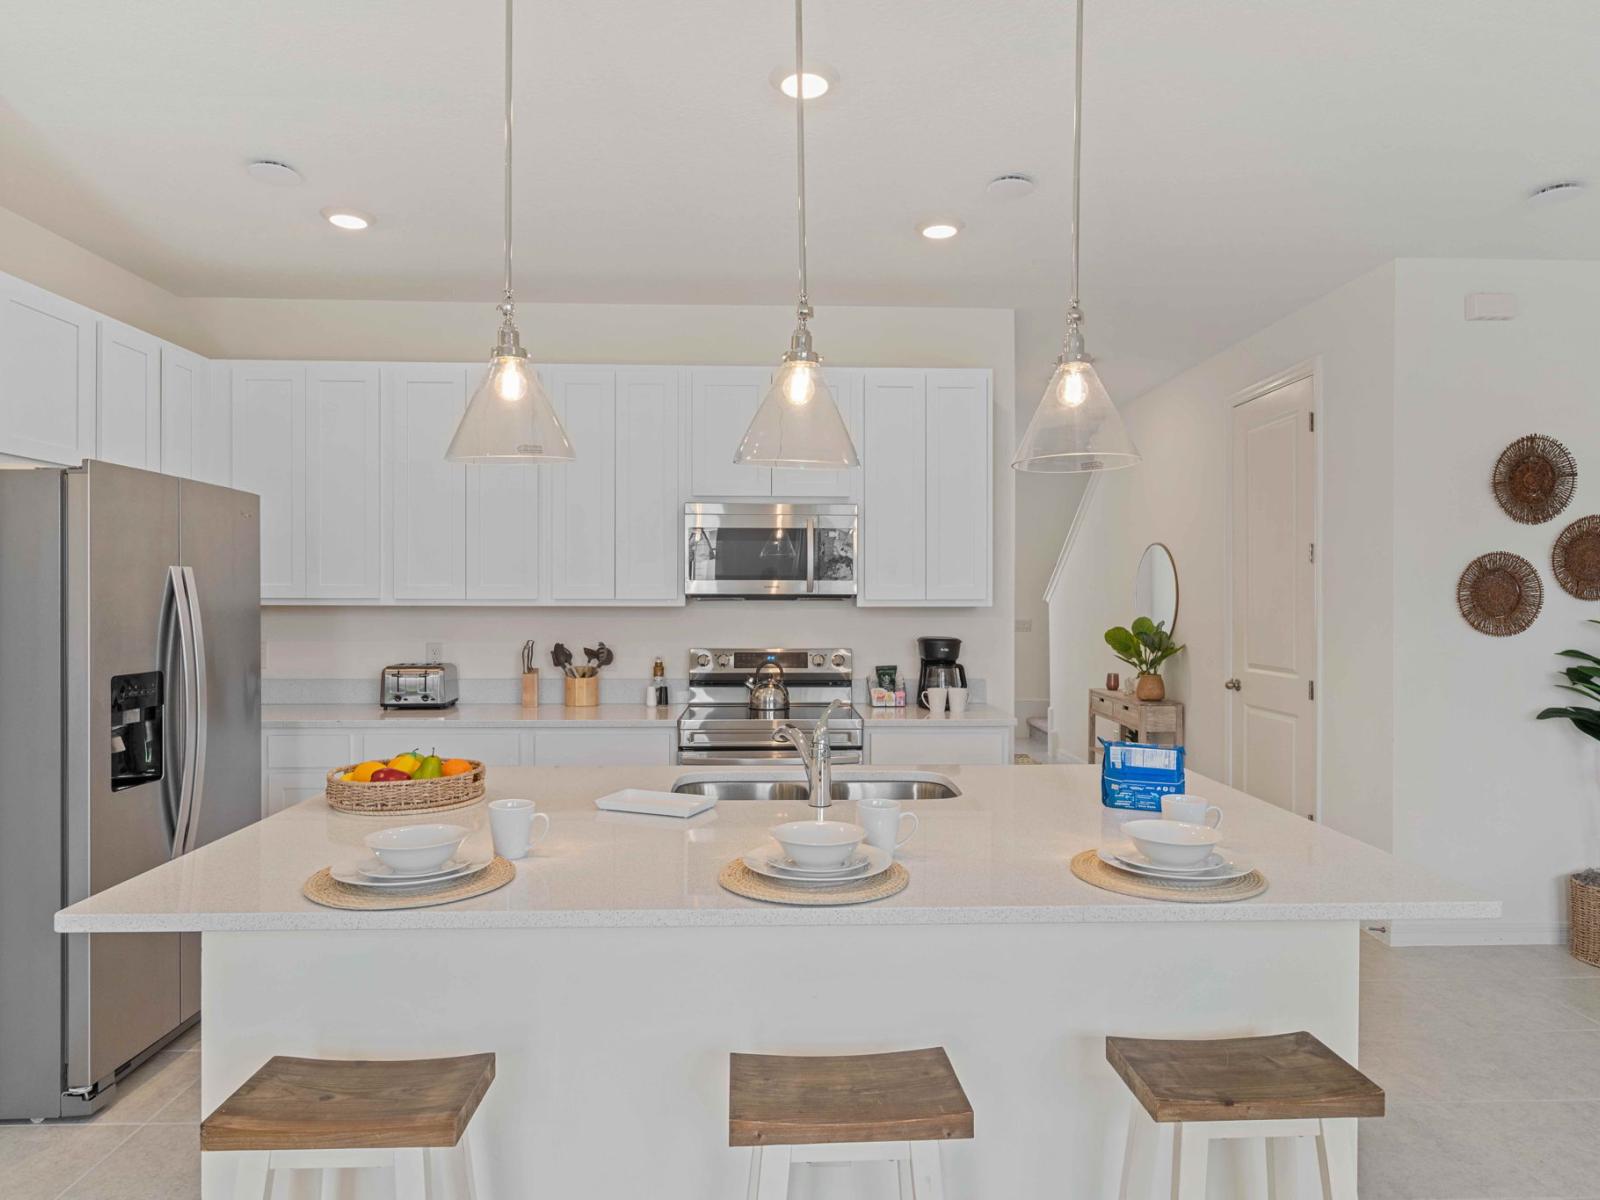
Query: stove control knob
column 816, row 660
column 725, row 660
column 838, row 659
column 702, row 660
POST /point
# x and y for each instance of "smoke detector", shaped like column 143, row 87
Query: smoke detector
column 1556, row 193
column 1010, row 187
column 273, row 173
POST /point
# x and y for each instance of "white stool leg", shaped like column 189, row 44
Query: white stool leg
column 927, row 1171
column 908, row 1186
column 410, row 1175
column 1282, row 1160
column 250, row 1179
column 1190, row 1148
column 1336, row 1159
column 752, row 1190
column 328, row 1189
column 773, row 1183
column 449, row 1168
column 1138, row 1155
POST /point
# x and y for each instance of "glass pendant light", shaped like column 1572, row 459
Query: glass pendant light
column 1075, row 427
column 510, row 417
column 798, row 423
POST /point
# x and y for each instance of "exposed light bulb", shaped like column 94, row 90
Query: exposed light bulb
column 801, row 385
column 816, row 85
column 1073, row 389
column 511, row 379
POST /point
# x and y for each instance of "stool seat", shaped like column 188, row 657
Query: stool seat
column 320, row 1104
column 1286, row 1076
column 905, row 1096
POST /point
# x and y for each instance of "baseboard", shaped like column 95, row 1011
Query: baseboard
column 1472, row 933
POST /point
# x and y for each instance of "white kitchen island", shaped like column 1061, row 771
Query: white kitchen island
column 614, row 976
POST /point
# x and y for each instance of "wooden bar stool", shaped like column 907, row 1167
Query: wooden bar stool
column 1286, row 1086
column 852, row 1108
column 325, row 1115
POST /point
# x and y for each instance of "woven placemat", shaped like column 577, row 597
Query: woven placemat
column 1088, row 867
column 322, row 888
column 742, row 881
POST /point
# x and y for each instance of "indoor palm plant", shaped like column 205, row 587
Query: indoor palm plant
column 1144, row 646
column 1583, row 887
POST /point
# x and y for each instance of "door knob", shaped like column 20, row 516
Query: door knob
column 1233, row 685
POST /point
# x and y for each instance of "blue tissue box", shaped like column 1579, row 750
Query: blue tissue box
column 1135, row 775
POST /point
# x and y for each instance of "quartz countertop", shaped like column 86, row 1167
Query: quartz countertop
column 911, row 714
column 600, row 716
column 996, row 854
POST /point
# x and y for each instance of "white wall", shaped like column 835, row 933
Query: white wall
column 1179, row 495
column 1486, row 794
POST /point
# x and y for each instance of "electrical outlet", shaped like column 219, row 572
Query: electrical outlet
column 434, row 651
column 1024, row 624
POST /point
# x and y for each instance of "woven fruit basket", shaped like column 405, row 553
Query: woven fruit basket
column 1584, row 930
column 406, row 795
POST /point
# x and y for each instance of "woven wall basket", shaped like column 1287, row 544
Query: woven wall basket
column 406, row 795
column 1534, row 478
column 1499, row 593
column 1575, row 558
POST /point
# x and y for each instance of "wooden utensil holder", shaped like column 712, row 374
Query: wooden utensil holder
column 583, row 692
column 530, row 689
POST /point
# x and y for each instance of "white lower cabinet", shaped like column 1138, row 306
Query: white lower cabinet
column 938, row 744
column 557, row 746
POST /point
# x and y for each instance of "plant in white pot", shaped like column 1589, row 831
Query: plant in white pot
column 1144, row 646
column 1583, row 887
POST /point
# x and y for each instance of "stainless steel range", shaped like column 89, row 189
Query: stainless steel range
column 740, row 698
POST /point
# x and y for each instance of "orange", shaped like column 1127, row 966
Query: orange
column 363, row 772
column 455, row 766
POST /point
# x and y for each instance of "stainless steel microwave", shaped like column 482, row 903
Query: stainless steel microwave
column 770, row 551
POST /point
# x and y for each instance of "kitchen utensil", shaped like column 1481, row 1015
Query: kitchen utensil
column 416, row 849
column 939, row 666
column 530, row 688
column 511, row 824
column 819, row 843
column 933, row 699
column 1193, row 810
column 779, row 862
column 883, row 819
column 1126, row 858
column 562, row 657
column 766, row 860
column 601, row 655
column 1172, row 843
column 958, row 701
column 581, row 691
column 527, row 656
column 419, row 685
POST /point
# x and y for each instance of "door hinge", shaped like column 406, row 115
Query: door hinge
column 1311, row 689
column 1311, row 418
column 1311, row 552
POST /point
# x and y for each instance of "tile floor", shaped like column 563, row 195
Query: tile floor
column 1490, row 1056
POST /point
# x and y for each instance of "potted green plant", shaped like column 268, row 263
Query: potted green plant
column 1583, row 887
column 1144, row 646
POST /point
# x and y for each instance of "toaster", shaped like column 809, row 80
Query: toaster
column 419, row 685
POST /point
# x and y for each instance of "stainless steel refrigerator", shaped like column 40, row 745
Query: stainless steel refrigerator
column 130, row 733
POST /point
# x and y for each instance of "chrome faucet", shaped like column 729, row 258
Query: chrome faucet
column 816, row 754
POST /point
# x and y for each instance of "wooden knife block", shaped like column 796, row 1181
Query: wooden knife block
column 583, row 693
column 530, row 689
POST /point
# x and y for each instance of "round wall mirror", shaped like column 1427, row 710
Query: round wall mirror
column 1155, row 586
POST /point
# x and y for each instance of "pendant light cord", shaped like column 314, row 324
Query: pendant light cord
column 1077, row 149
column 508, row 300
column 804, row 307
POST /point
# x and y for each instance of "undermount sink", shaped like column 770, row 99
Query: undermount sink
column 797, row 791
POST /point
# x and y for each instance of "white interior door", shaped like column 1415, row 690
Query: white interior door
column 1273, row 713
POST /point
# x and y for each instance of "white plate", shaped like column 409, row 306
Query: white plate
column 356, row 879
column 784, row 865
column 376, row 870
column 761, row 861
column 1221, row 872
column 1129, row 853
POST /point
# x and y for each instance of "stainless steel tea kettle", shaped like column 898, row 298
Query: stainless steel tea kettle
column 768, row 693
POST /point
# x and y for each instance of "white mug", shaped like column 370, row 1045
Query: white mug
column 1192, row 810
column 934, row 698
column 882, row 819
column 511, row 826
column 958, row 701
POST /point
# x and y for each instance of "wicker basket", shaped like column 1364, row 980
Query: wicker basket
column 405, row 795
column 1583, row 890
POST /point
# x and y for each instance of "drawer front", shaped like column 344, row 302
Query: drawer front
column 303, row 751
column 1162, row 719
column 1125, row 711
column 491, row 747
column 286, row 788
column 604, row 747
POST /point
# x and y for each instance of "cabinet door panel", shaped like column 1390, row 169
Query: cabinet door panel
column 948, row 747
column 722, row 402
column 789, row 483
column 894, row 518
column 211, row 427
column 556, row 747
column 958, row 487
column 502, row 525
column 47, row 353
column 269, row 458
column 184, row 380
column 491, row 747
column 583, row 493
column 128, row 386
column 429, row 494
column 343, row 483
column 648, row 516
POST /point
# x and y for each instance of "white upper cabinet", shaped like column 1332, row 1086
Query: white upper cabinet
column 269, row 458
column 793, row 484
column 583, row 493
column 722, row 401
column 185, row 386
column 502, row 525
column 927, row 492
column 428, row 494
column 47, row 359
column 343, row 483
column 128, row 408
column 649, row 519
column 211, row 427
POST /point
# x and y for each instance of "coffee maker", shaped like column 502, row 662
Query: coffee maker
column 939, row 665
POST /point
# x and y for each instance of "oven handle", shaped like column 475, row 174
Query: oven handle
column 772, row 758
column 811, row 554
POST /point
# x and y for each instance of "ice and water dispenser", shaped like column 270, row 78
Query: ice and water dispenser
column 136, row 710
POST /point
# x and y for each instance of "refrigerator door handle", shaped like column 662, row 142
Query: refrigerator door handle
column 197, row 773
column 186, row 647
column 171, row 779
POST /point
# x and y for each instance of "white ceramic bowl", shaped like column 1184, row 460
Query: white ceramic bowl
column 416, row 849
column 818, row 844
column 1173, row 843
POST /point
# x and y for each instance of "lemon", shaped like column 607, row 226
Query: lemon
column 362, row 772
column 407, row 762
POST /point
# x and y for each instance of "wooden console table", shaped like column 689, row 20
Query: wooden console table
column 1155, row 721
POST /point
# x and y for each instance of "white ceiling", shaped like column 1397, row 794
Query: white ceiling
column 1241, row 156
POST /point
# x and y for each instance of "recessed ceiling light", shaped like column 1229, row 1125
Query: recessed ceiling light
column 1010, row 187
column 819, row 79
column 347, row 218
column 939, row 231
column 1555, row 193
column 273, row 173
